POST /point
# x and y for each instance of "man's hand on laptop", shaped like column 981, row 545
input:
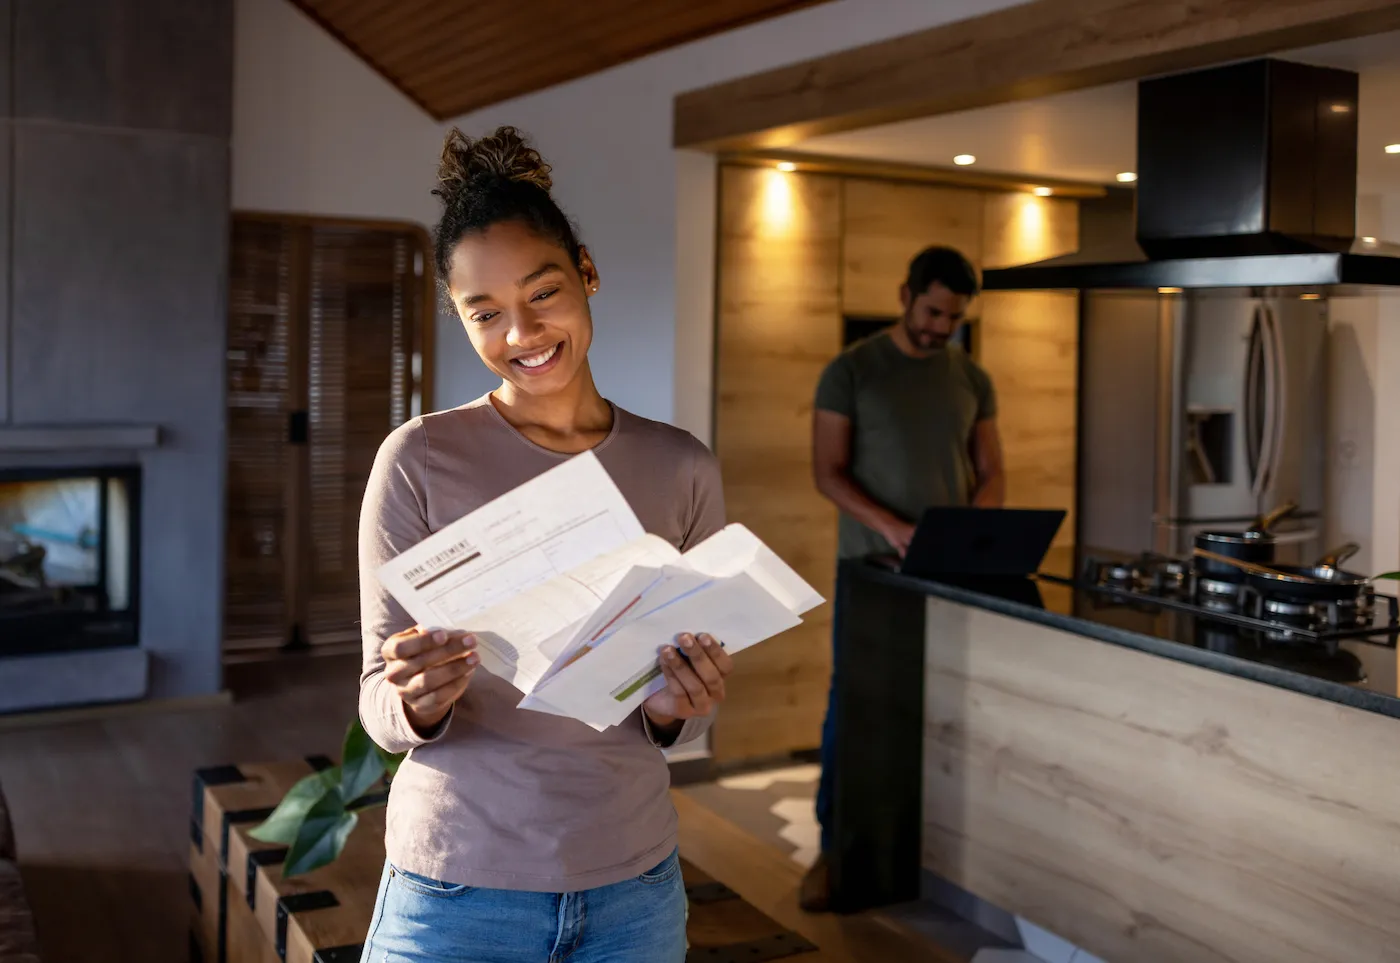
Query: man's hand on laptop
column 898, row 533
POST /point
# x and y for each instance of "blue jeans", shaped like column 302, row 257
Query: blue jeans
column 420, row 920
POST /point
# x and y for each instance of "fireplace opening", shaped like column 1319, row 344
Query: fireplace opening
column 68, row 559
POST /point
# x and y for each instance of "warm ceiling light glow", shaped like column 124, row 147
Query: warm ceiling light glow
column 1392, row 148
column 778, row 208
column 1310, row 297
column 1368, row 240
column 787, row 167
column 1127, row 177
column 964, row 160
column 1042, row 192
column 1341, row 108
column 1169, row 290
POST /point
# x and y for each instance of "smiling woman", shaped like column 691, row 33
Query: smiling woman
column 506, row 828
column 518, row 276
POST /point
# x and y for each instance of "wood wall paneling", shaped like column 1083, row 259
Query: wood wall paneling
column 796, row 251
column 1028, row 50
column 1154, row 811
column 886, row 224
column 779, row 325
column 417, row 44
column 1029, row 343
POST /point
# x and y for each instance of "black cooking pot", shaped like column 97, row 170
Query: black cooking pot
column 1254, row 544
column 1322, row 582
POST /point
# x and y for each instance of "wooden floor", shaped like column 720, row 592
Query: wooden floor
column 101, row 813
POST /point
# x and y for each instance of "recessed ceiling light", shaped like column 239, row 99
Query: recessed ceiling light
column 1368, row 240
column 1341, row 108
column 1042, row 192
column 1392, row 148
column 963, row 160
column 1169, row 290
column 1310, row 297
column 787, row 167
column 1127, row 177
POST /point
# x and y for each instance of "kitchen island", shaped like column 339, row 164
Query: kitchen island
column 1145, row 788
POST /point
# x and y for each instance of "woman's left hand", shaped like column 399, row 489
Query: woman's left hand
column 694, row 687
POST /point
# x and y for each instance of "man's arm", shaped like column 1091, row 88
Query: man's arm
column 986, row 462
column 831, row 466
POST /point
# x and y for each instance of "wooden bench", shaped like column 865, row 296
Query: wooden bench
column 243, row 911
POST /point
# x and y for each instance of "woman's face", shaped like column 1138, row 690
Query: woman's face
column 524, row 305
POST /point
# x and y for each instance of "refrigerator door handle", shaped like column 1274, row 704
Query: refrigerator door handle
column 1277, row 394
column 1253, row 418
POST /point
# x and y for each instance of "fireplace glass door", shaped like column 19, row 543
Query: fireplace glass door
column 68, row 559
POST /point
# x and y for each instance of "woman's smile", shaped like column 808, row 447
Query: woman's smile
column 540, row 361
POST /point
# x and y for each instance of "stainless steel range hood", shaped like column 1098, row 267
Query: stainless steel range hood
column 1246, row 178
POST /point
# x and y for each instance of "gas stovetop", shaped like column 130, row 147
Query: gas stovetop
column 1157, row 582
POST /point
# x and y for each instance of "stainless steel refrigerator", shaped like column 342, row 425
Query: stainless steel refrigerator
column 1201, row 410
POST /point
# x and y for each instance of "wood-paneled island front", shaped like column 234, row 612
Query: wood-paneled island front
column 1152, row 797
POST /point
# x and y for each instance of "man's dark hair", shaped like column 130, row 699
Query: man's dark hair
column 945, row 265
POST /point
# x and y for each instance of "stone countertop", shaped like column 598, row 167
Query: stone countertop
column 1357, row 673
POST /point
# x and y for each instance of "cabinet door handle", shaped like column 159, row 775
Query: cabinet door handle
column 298, row 427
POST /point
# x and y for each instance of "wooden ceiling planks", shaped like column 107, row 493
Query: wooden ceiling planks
column 454, row 56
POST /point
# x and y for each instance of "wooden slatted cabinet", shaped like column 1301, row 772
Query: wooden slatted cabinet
column 329, row 349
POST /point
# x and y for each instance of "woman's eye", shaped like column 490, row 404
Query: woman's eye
column 545, row 294
column 483, row 317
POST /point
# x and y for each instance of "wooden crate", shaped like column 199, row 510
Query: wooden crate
column 324, row 916
column 319, row 917
column 227, row 801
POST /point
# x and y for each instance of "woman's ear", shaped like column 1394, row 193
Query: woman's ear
column 588, row 271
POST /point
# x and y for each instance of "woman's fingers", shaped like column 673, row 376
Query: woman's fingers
column 419, row 642
column 411, row 657
column 436, row 677
column 722, row 660
column 429, row 699
column 703, row 662
column 694, row 688
column 411, row 642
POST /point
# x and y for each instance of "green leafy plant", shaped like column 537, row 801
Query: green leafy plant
column 1393, row 576
column 318, row 814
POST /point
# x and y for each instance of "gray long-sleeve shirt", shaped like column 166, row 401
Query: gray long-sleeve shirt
column 499, row 796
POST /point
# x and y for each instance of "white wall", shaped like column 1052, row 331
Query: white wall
column 315, row 131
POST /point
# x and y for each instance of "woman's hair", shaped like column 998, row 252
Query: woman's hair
column 491, row 180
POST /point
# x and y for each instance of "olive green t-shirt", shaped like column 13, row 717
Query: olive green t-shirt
column 911, row 429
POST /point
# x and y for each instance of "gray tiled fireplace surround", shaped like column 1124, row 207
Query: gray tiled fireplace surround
column 114, row 213
column 83, row 676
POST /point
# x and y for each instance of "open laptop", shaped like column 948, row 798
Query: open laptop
column 966, row 542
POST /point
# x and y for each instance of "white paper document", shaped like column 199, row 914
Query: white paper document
column 572, row 602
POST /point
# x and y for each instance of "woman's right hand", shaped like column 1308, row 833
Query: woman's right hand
column 430, row 669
